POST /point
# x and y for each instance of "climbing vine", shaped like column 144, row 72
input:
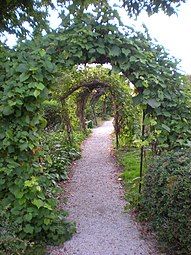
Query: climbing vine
column 91, row 84
column 33, row 67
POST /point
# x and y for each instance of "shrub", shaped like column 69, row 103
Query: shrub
column 166, row 200
column 52, row 112
column 60, row 153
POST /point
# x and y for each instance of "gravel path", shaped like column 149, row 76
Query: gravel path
column 95, row 202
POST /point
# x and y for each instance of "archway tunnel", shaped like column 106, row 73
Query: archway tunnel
column 97, row 92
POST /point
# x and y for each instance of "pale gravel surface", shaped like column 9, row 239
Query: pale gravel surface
column 95, row 202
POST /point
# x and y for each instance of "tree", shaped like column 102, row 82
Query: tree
column 135, row 7
column 16, row 13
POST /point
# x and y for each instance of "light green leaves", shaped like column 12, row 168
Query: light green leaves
column 165, row 127
column 38, row 203
column 32, row 182
column 39, row 87
column 42, row 52
column 36, row 93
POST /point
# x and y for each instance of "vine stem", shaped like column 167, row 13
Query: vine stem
column 142, row 153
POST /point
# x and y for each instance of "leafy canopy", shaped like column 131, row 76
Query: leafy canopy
column 19, row 17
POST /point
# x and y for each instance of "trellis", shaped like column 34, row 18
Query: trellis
column 87, row 91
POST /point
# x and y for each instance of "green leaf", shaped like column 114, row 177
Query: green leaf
column 18, row 194
column 7, row 110
column 166, row 114
column 166, row 127
column 132, row 59
column 22, row 68
column 153, row 103
column 78, row 54
column 11, row 103
column 28, row 229
column 46, row 205
column 161, row 95
column 40, row 86
column 42, row 52
column 38, row 203
column 24, row 76
column 126, row 52
column 19, row 102
column 23, row 146
column 92, row 51
column 137, row 99
column 28, row 217
column 47, row 221
column 115, row 51
column 36, row 93
column 101, row 50
column 49, row 66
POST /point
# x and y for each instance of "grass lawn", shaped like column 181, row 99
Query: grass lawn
column 130, row 161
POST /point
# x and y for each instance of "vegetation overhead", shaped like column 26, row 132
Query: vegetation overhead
column 17, row 16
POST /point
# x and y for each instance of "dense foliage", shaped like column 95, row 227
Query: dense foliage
column 26, row 192
column 167, row 6
column 166, row 199
column 60, row 154
column 42, row 78
column 14, row 15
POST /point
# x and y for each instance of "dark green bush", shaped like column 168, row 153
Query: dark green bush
column 52, row 113
column 38, row 221
column 166, row 200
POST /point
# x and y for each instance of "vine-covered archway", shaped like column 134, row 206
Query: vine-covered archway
column 27, row 73
column 93, row 83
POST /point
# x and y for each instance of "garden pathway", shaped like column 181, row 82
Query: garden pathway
column 96, row 204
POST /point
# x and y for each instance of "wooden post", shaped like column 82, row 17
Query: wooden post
column 94, row 114
column 142, row 153
column 66, row 121
column 117, row 126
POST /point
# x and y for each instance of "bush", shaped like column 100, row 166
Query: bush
column 52, row 113
column 40, row 221
column 166, row 200
column 60, row 153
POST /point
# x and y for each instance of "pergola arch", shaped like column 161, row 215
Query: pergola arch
column 93, row 90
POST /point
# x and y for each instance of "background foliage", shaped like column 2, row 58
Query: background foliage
column 166, row 199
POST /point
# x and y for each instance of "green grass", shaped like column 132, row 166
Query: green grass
column 130, row 162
